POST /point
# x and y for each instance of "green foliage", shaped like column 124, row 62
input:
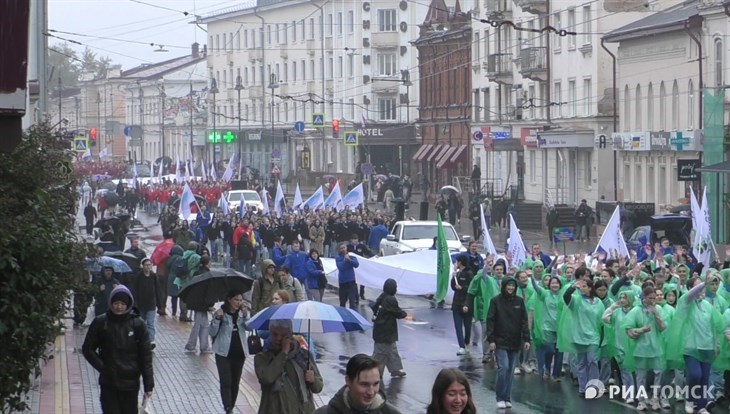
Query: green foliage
column 41, row 260
column 67, row 63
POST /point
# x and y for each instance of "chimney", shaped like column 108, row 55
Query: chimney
column 205, row 50
column 196, row 50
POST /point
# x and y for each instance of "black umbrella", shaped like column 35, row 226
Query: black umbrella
column 129, row 259
column 111, row 220
column 213, row 286
column 111, row 198
column 109, row 186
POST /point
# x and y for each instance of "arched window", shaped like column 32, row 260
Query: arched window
column 650, row 107
column 719, row 59
column 627, row 108
column 675, row 106
column 690, row 105
column 637, row 119
column 662, row 107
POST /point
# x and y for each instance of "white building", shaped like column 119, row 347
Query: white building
column 340, row 59
column 542, row 99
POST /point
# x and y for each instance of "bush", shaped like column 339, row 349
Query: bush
column 41, row 260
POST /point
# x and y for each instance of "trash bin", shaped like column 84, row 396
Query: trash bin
column 423, row 210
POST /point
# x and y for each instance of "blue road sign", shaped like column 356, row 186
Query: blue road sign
column 318, row 120
column 351, row 138
column 127, row 131
column 366, row 168
column 561, row 234
column 299, row 126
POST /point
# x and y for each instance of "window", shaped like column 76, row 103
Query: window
column 533, row 165
column 587, row 97
column 690, row 105
column 340, row 68
column 330, row 68
column 637, row 98
column 351, row 106
column 387, row 64
column 311, row 69
column 276, row 34
column 304, row 34
column 557, row 40
column 650, row 107
column 231, row 79
column 662, row 107
column 587, row 168
column 675, row 106
column 268, row 34
column 294, row 71
column 486, row 43
column 329, row 25
column 210, row 41
column 486, row 105
column 245, row 76
column 587, row 36
column 217, row 43
column 285, row 33
column 311, row 28
column 386, row 108
column 350, row 65
column 557, row 97
column 339, row 24
column 320, row 22
column 627, row 108
column 238, row 40
column 477, row 51
column 386, row 20
column 245, row 39
column 277, row 78
column 286, row 111
column 718, row 63
column 321, row 69
column 286, row 73
column 230, row 41
column 571, row 26
column 477, row 106
column 531, row 99
column 304, row 70
column 350, row 22
column 572, row 100
column 294, row 31
column 261, row 37
column 225, row 43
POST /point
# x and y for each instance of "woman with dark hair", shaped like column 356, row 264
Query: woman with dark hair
column 316, row 279
column 227, row 329
column 451, row 394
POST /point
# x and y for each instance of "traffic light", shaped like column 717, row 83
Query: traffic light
column 93, row 135
column 335, row 127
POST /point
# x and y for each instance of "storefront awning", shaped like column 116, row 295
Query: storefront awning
column 422, row 152
column 459, row 155
column 435, row 152
column 720, row 167
column 444, row 149
column 444, row 160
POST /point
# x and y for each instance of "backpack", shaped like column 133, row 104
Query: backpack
column 180, row 268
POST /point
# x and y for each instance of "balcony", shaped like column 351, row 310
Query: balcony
column 499, row 68
column 255, row 92
column 255, row 54
column 385, row 84
column 329, row 87
column 328, row 45
column 499, row 9
column 533, row 63
column 284, row 51
column 385, row 39
column 312, row 87
column 283, row 89
column 312, row 46
column 532, row 6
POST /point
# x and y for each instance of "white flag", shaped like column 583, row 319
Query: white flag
column 186, row 200
column 134, row 180
column 695, row 209
column 612, row 238
column 279, row 199
column 103, row 153
column 315, row 201
column 178, row 173
column 240, row 167
column 159, row 171
column 188, row 171
column 228, row 173
column 213, row 175
column 488, row 244
column 223, row 204
column 264, row 201
column 297, row 198
column 203, row 171
column 334, row 198
column 702, row 245
column 516, row 246
column 354, row 198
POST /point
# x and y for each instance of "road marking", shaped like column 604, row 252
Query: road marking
column 409, row 327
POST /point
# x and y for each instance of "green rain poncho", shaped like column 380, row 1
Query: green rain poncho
column 482, row 288
column 722, row 362
column 696, row 333
column 579, row 325
column 545, row 323
column 724, row 289
column 647, row 351
column 615, row 336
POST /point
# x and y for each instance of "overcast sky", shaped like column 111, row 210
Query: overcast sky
column 129, row 20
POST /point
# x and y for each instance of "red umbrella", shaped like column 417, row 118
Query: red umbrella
column 162, row 252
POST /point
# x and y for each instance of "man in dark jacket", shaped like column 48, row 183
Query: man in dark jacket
column 386, row 312
column 145, row 286
column 118, row 347
column 361, row 393
column 507, row 330
column 460, row 309
column 103, row 286
column 135, row 250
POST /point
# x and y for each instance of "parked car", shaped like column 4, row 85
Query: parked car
column 675, row 227
column 248, row 197
column 410, row 236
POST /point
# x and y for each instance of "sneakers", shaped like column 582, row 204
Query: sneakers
column 517, row 371
column 525, row 367
column 629, row 401
column 501, row 405
column 189, row 351
column 398, row 374
column 461, row 351
column 485, row 359
column 508, row 404
column 703, row 411
column 206, row 351
column 689, row 407
column 545, row 376
column 665, row 404
column 655, row 406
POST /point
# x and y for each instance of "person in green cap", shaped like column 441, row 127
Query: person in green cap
column 545, row 328
column 617, row 338
column 525, row 291
column 718, row 301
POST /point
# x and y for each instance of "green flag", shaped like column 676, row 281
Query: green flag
column 443, row 263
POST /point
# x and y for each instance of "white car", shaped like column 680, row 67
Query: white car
column 410, row 236
column 249, row 197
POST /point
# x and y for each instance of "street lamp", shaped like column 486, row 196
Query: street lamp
column 213, row 90
column 272, row 85
column 239, row 88
column 163, row 95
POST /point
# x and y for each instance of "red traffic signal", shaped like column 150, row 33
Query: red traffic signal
column 93, row 134
column 335, row 126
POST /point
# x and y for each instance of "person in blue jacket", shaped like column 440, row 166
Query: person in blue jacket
column 296, row 262
column 377, row 233
column 474, row 260
column 278, row 254
column 316, row 279
column 346, row 265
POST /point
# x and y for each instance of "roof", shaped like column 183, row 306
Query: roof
column 665, row 20
column 156, row 70
column 720, row 167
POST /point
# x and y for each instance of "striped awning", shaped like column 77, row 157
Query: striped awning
column 421, row 153
column 437, row 152
column 446, row 157
column 459, row 155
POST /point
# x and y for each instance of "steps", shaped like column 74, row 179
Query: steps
column 566, row 217
column 529, row 216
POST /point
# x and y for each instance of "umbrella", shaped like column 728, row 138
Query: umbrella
column 109, row 186
column 95, row 265
column 448, row 189
column 315, row 316
column 213, row 286
column 131, row 260
column 112, row 198
column 162, row 252
column 111, row 220
column 381, row 177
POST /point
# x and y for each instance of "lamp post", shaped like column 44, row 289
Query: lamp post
column 163, row 95
column 191, row 121
column 98, row 118
column 141, row 123
column 214, row 91
column 239, row 88
column 272, row 85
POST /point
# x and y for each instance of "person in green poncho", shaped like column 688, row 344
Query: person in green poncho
column 600, row 287
column 712, row 295
column 525, row 291
column 545, row 328
column 482, row 289
column 582, row 335
column 617, row 338
column 644, row 325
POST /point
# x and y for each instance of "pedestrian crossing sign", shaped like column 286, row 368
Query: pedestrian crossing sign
column 81, row 144
column 351, row 138
column 318, row 120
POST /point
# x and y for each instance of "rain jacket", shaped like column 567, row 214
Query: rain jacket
column 580, row 322
column 346, row 269
column 545, row 325
column 282, row 381
column 175, row 258
column 482, row 289
column 263, row 292
column 193, row 260
column 314, row 273
column 646, row 351
column 386, row 312
column 340, row 404
column 118, row 347
column 507, row 319
column 101, row 298
column 296, row 262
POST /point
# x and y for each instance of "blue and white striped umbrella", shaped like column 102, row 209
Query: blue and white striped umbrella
column 312, row 317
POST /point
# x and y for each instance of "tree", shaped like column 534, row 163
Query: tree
column 41, row 260
column 92, row 63
column 64, row 62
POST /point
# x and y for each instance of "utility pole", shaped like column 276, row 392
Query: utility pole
column 239, row 88
column 111, row 113
column 191, row 121
column 141, row 124
column 162, row 121
column 321, row 48
column 60, row 88
column 98, row 120
column 214, row 91
column 273, row 85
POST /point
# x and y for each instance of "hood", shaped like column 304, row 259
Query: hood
column 670, row 287
column 176, row 250
column 630, row 295
column 341, row 403
column 504, row 286
column 122, row 290
column 390, row 287
column 725, row 274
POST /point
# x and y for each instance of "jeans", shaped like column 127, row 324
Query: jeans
column 462, row 323
column 717, row 379
column 317, row 294
column 506, row 362
column 348, row 291
column 229, row 372
column 149, row 318
column 698, row 380
column 216, row 247
column 587, row 367
column 173, row 304
column 604, row 370
column 114, row 401
column 485, row 343
column 549, row 360
column 641, row 377
column 199, row 331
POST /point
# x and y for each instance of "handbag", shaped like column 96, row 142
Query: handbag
column 255, row 344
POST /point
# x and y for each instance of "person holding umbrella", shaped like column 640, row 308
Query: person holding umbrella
column 228, row 333
column 104, row 285
column 200, row 317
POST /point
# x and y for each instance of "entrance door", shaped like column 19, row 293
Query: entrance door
column 521, row 175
